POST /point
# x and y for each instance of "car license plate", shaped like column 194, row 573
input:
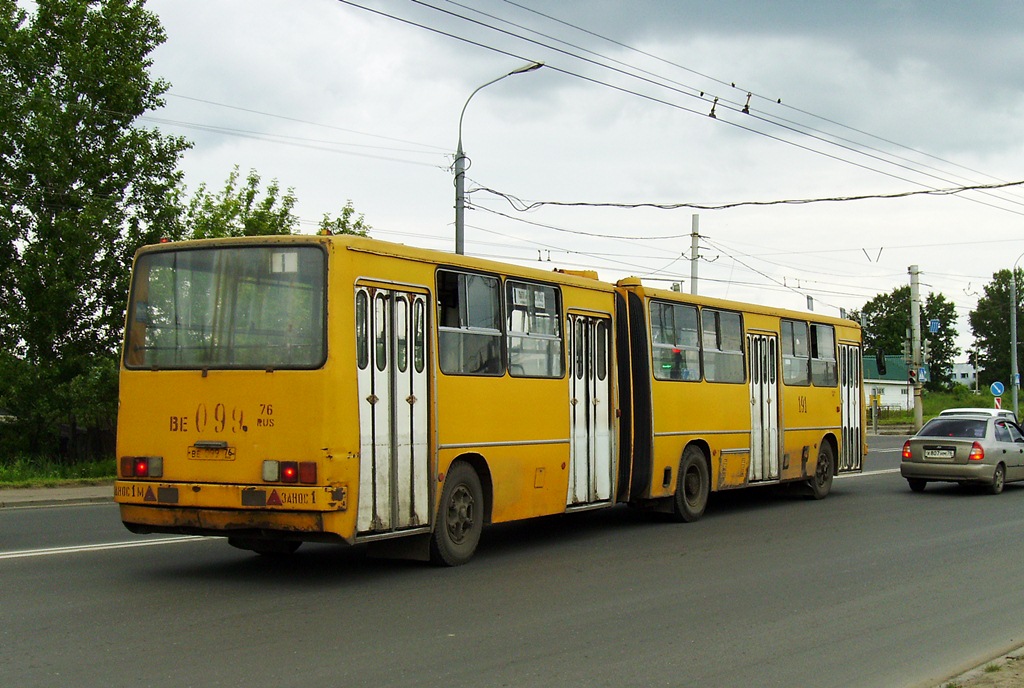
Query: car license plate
column 939, row 453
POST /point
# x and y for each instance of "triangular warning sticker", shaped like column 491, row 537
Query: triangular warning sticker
column 274, row 499
column 150, row 497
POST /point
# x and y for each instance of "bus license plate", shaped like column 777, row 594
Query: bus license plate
column 939, row 453
column 208, row 454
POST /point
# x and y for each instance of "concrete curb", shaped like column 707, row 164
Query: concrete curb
column 53, row 496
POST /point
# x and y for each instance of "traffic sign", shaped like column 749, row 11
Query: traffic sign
column 999, row 402
column 997, row 389
column 933, row 325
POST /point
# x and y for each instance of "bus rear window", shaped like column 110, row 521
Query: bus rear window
column 228, row 307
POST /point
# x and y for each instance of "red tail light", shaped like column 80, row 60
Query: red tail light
column 307, row 472
column 289, row 472
column 977, row 453
column 906, row 449
column 142, row 466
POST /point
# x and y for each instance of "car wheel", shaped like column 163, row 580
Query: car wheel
column 998, row 480
column 916, row 485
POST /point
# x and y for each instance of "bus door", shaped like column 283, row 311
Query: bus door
column 590, row 395
column 764, row 407
column 850, row 400
column 392, row 385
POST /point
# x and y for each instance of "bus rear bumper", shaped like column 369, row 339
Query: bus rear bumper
column 299, row 513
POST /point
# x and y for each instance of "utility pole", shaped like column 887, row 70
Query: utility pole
column 915, row 344
column 1013, row 335
column 694, row 236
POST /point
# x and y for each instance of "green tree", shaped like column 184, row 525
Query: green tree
column 990, row 323
column 240, row 211
column 887, row 319
column 344, row 223
column 81, row 187
column 246, row 211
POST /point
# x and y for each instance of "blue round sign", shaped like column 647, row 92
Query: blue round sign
column 997, row 389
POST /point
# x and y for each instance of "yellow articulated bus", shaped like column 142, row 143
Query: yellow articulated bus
column 278, row 390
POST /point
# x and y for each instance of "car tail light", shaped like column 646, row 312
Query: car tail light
column 977, row 453
column 906, row 449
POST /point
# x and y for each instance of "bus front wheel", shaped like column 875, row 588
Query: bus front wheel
column 692, row 486
column 460, row 517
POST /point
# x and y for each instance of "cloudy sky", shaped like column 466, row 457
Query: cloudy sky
column 361, row 100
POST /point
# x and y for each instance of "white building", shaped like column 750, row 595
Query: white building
column 966, row 375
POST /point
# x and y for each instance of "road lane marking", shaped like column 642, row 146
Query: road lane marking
column 74, row 549
column 867, row 473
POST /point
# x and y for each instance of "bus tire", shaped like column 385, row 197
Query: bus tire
column 460, row 517
column 824, row 470
column 692, row 486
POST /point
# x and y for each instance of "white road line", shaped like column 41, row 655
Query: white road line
column 100, row 547
column 867, row 473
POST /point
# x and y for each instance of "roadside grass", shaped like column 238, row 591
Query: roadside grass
column 992, row 668
column 33, row 471
column 933, row 403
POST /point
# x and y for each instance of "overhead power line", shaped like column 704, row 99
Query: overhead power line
column 523, row 206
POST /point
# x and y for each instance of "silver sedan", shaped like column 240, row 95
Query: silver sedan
column 965, row 448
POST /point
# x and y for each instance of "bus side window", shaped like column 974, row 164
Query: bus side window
column 823, row 356
column 675, row 342
column 795, row 359
column 469, row 324
column 534, row 330
column 722, row 337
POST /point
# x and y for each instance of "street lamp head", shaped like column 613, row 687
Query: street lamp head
column 526, row 68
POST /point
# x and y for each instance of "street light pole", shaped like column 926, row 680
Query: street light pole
column 460, row 161
column 1013, row 331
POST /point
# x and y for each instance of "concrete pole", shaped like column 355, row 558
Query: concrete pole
column 1013, row 335
column 915, row 342
column 694, row 244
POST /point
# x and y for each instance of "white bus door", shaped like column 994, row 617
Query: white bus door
column 764, row 407
column 850, row 400
column 391, row 358
column 590, row 391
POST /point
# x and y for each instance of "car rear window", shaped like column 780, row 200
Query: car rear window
column 954, row 427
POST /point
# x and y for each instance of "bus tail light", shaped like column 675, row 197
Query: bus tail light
column 290, row 472
column 977, row 453
column 142, row 466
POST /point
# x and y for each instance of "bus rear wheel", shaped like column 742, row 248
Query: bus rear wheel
column 460, row 517
column 692, row 486
column 821, row 483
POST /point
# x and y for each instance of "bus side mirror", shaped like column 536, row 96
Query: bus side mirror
column 880, row 362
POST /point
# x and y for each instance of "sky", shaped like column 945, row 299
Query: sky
column 361, row 101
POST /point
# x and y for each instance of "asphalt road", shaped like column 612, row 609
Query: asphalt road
column 874, row 586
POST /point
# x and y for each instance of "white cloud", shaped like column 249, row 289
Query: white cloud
column 550, row 135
